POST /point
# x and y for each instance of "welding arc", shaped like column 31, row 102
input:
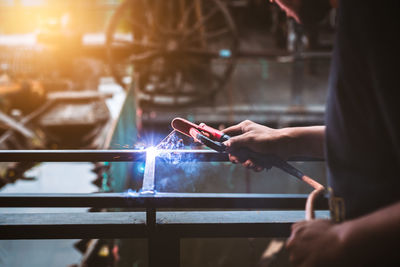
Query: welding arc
column 165, row 139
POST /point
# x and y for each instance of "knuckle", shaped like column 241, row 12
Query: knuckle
column 246, row 123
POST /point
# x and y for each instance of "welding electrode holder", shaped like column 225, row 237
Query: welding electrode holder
column 207, row 141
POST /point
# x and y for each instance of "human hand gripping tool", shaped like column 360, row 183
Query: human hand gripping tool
column 214, row 139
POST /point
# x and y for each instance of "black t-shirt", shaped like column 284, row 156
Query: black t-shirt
column 363, row 112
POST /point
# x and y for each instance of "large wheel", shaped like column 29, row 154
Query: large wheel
column 183, row 51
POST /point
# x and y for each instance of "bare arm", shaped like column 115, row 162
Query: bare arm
column 376, row 234
column 285, row 142
column 368, row 240
column 307, row 141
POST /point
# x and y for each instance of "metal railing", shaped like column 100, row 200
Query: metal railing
column 163, row 218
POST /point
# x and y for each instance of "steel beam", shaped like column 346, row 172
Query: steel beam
column 200, row 155
column 148, row 185
column 106, row 155
column 162, row 200
column 132, row 224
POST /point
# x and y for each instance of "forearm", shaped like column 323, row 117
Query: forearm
column 306, row 141
column 285, row 142
column 374, row 236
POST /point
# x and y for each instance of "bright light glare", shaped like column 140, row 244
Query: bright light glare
column 151, row 151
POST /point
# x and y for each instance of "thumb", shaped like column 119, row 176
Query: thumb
column 237, row 142
column 235, row 147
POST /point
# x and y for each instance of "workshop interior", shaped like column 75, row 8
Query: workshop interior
column 111, row 150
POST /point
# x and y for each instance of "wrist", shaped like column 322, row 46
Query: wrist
column 305, row 141
column 293, row 141
column 347, row 243
column 342, row 232
column 288, row 142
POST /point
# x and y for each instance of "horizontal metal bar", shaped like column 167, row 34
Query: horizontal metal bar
column 105, row 155
column 132, row 224
column 264, row 114
column 285, row 57
column 162, row 200
column 201, row 155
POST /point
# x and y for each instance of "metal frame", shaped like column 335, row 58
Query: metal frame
column 161, row 217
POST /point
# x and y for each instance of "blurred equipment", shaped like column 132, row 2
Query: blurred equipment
column 181, row 51
column 16, row 135
column 75, row 119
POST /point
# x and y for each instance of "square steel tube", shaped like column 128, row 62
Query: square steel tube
column 181, row 224
column 120, row 155
column 104, row 155
column 162, row 200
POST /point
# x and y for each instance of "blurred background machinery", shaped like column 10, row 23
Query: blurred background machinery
column 212, row 61
column 183, row 51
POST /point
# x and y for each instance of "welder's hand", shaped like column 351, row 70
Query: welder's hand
column 257, row 138
column 316, row 243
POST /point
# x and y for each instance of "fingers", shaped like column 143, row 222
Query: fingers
column 233, row 130
column 233, row 159
column 237, row 129
column 236, row 142
column 296, row 254
column 241, row 138
column 299, row 225
column 296, row 229
column 247, row 163
column 259, row 169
